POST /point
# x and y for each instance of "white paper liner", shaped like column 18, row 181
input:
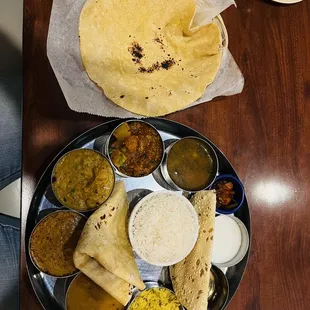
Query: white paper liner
column 83, row 95
column 206, row 10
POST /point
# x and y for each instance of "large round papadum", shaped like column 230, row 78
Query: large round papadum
column 143, row 55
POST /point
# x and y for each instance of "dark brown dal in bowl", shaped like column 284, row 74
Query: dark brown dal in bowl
column 53, row 242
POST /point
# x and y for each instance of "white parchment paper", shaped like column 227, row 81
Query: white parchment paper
column 83, row 95
column 206, row 10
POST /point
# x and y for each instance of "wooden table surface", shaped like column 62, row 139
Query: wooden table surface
column 264, row 132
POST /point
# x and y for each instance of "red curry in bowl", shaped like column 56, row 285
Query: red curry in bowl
column 135, row 148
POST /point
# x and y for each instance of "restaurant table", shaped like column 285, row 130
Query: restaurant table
column 264, row 132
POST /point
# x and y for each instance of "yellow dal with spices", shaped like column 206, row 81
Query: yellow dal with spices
column 84, row 294
column 83, row 180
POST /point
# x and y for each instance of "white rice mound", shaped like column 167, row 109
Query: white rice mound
column 163, row 228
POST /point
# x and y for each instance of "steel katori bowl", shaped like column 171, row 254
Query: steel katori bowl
column 218, row 289
column 40, row 223
column 165, row 169
column 65, row 204
column 108, row 142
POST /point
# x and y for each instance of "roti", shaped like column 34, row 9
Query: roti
column 104, row 253
column 190, row 277
column 143, row 55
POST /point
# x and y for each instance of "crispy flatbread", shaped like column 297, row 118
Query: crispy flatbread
column 144, row 56
column 104, row 252
column 190, row 277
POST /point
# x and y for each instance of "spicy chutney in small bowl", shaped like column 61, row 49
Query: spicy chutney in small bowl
column 53, row 241
column 229, row 193
column 83, row 179
column 190, row 164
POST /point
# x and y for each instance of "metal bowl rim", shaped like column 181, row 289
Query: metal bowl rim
column 108, row 154
column 164, row 165
column 29, row 243
column 79, row 149
column 216, row 269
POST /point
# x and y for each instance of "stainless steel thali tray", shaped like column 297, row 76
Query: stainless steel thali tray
column 51, row 291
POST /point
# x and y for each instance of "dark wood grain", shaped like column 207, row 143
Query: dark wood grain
column 265, row 132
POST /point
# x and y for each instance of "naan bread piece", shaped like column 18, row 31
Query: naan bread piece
column 144, row 56
column 104, row 252
column 190, row 277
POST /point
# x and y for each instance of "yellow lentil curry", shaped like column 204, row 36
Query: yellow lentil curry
column 84, row 294
column 190, row 164
column 83, row 180
column 54, row 240
column 136, row 149
column 157, row 298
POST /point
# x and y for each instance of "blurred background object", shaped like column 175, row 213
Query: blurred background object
column 287, row 1
column 11, row 19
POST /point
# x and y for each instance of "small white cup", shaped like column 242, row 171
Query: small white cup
column 245, row 242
